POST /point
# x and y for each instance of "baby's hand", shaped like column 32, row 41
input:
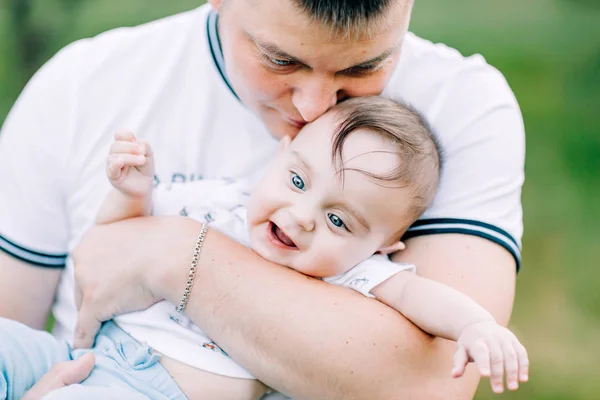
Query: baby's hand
column 490, row 345
column 130, row 165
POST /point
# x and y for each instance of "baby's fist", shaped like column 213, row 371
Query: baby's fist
column 130, row 165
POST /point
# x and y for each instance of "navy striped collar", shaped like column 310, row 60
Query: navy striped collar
column 214, row 44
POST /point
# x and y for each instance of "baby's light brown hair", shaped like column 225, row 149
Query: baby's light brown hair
column 420, row 155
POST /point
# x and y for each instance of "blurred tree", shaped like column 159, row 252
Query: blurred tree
column 590, row 3
column 30, row 39
column 32, row 35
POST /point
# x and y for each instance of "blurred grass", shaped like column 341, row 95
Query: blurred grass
column 549, row 51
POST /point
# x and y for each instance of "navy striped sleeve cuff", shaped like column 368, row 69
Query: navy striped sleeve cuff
column 435, row 226
column 32, row 257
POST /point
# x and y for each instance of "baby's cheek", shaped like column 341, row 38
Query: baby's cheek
column 348, row 255
column 259, row 210
column 330, row 262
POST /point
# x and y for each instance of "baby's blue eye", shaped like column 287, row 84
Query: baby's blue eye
column 337, row 221
column 297, row 181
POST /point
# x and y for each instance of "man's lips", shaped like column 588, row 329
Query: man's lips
column 297, row 123
column 279, row 238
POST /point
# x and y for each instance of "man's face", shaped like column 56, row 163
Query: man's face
column 289, row 69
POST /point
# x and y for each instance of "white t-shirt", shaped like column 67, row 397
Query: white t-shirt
column 164, row 80
column 223, row 204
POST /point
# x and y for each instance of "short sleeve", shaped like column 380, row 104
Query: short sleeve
column 369, row 274
column 480, row 127
column 34, row 142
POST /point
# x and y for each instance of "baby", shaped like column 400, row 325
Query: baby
column 332, row 205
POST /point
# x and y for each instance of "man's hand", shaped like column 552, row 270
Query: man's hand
column 116, row 268
column 112, row 270
column 61, row 375
column 494, row 349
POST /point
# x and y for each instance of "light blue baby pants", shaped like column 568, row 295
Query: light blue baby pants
column 125, row 369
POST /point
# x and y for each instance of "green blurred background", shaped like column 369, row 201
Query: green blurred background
column 549, row 50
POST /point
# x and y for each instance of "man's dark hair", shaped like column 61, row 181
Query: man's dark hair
column 419, row 152
column 344, row 15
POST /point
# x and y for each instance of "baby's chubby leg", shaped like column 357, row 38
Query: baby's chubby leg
column 26, row 355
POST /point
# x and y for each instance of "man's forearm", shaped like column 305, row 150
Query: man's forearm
column 299, row 335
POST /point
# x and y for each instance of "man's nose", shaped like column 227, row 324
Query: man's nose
column 314, row 96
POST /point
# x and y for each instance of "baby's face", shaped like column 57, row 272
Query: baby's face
column 305, row 215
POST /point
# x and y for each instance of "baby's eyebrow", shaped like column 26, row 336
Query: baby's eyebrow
column 357, row 215
column 306, row 166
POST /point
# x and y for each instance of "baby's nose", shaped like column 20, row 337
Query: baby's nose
column 303, row 219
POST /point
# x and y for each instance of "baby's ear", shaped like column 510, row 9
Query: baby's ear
column 394, row 247
column 284, row 143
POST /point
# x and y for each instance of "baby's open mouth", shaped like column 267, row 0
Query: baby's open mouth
column 280, row 236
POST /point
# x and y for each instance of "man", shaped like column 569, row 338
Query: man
column 213, row 90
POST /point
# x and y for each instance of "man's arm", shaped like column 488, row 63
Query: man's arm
column 26, row 291
column 34, row 143
column 298, row 335
column 344, row 346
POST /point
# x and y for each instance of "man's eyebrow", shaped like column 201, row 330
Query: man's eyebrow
column 375, row 60
column 275, row 51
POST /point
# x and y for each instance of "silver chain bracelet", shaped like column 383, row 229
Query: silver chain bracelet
column 193, row 268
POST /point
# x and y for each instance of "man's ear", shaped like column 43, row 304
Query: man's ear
column 284, row 143
column 216, row 4
column 394, row 247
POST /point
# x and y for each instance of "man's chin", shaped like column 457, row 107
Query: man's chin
column 283, row 129
column 280, row 128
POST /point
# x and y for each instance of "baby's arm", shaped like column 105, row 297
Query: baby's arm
column 130, row 169
column 447, row 313
column 435, row 308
